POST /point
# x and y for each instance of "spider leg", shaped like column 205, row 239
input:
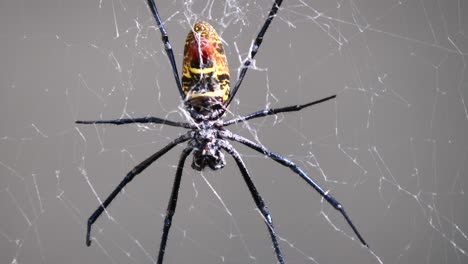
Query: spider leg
column 167, row 45
column 129, row 177
column 171, row 207
column 154, row 120
column 275, row 111
column 257, row 198
column 253, row 50
column 285, row 162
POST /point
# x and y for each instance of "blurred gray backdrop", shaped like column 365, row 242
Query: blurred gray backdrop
column 392, row 147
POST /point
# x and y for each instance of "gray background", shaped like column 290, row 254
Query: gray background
column 392, row 147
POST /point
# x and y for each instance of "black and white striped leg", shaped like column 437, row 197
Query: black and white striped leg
column 254, row 49
column 167, row 45
column 257, row 198
column 171, row 207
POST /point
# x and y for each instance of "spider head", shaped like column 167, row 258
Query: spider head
column 208, row 154
column 207, row 151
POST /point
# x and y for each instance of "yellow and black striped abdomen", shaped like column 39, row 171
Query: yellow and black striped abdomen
column 205, row 72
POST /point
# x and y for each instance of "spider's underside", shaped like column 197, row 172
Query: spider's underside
column 205, row 89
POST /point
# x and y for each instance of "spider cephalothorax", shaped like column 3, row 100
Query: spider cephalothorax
column 206, row 148
column 205, row 90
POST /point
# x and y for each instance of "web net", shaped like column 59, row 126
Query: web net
column 392, row 147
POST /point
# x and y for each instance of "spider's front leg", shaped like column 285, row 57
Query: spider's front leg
column 256, row 196
column 285, row 162
column 171, row 207
column 129, row 177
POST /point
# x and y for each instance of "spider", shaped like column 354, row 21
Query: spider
column 205, row 90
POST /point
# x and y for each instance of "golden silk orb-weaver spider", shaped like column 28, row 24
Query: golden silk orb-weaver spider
column 205, row 90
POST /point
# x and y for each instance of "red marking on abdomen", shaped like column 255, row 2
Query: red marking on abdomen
column 204, row 45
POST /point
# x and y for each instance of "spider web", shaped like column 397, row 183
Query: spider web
column 391, row 148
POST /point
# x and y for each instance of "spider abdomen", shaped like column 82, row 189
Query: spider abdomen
column 205, row 72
